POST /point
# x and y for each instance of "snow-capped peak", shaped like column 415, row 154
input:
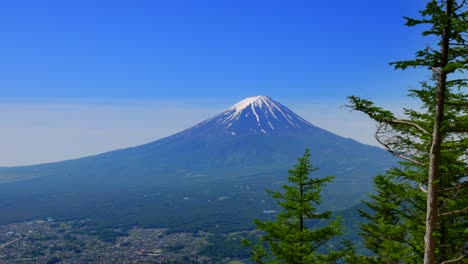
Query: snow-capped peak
column 266, row 105
column 256, row 115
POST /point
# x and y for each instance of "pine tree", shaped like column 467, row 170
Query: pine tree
column 290, row 238
column 419, row 212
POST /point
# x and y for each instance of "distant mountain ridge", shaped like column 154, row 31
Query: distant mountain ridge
column 238, row 154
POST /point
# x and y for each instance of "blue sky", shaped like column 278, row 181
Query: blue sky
column 201, row 56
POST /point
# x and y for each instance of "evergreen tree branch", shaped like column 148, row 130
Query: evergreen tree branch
column 379, row 114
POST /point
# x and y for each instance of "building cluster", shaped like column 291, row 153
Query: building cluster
column 49, row 241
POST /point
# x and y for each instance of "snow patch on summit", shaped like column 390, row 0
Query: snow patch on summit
column 244, row 104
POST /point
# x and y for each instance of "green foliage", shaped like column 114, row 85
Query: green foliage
column 288, row 239
column 397, row 211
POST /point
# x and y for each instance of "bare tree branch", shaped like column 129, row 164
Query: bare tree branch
column 462, row 211
column 422, row 188
column 398, row 121
column 455, row 260
column 460, row 5
column 436, row 70
column 389, row 149
column 457, row 188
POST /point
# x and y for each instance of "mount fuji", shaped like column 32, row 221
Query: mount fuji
column 212, row 175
